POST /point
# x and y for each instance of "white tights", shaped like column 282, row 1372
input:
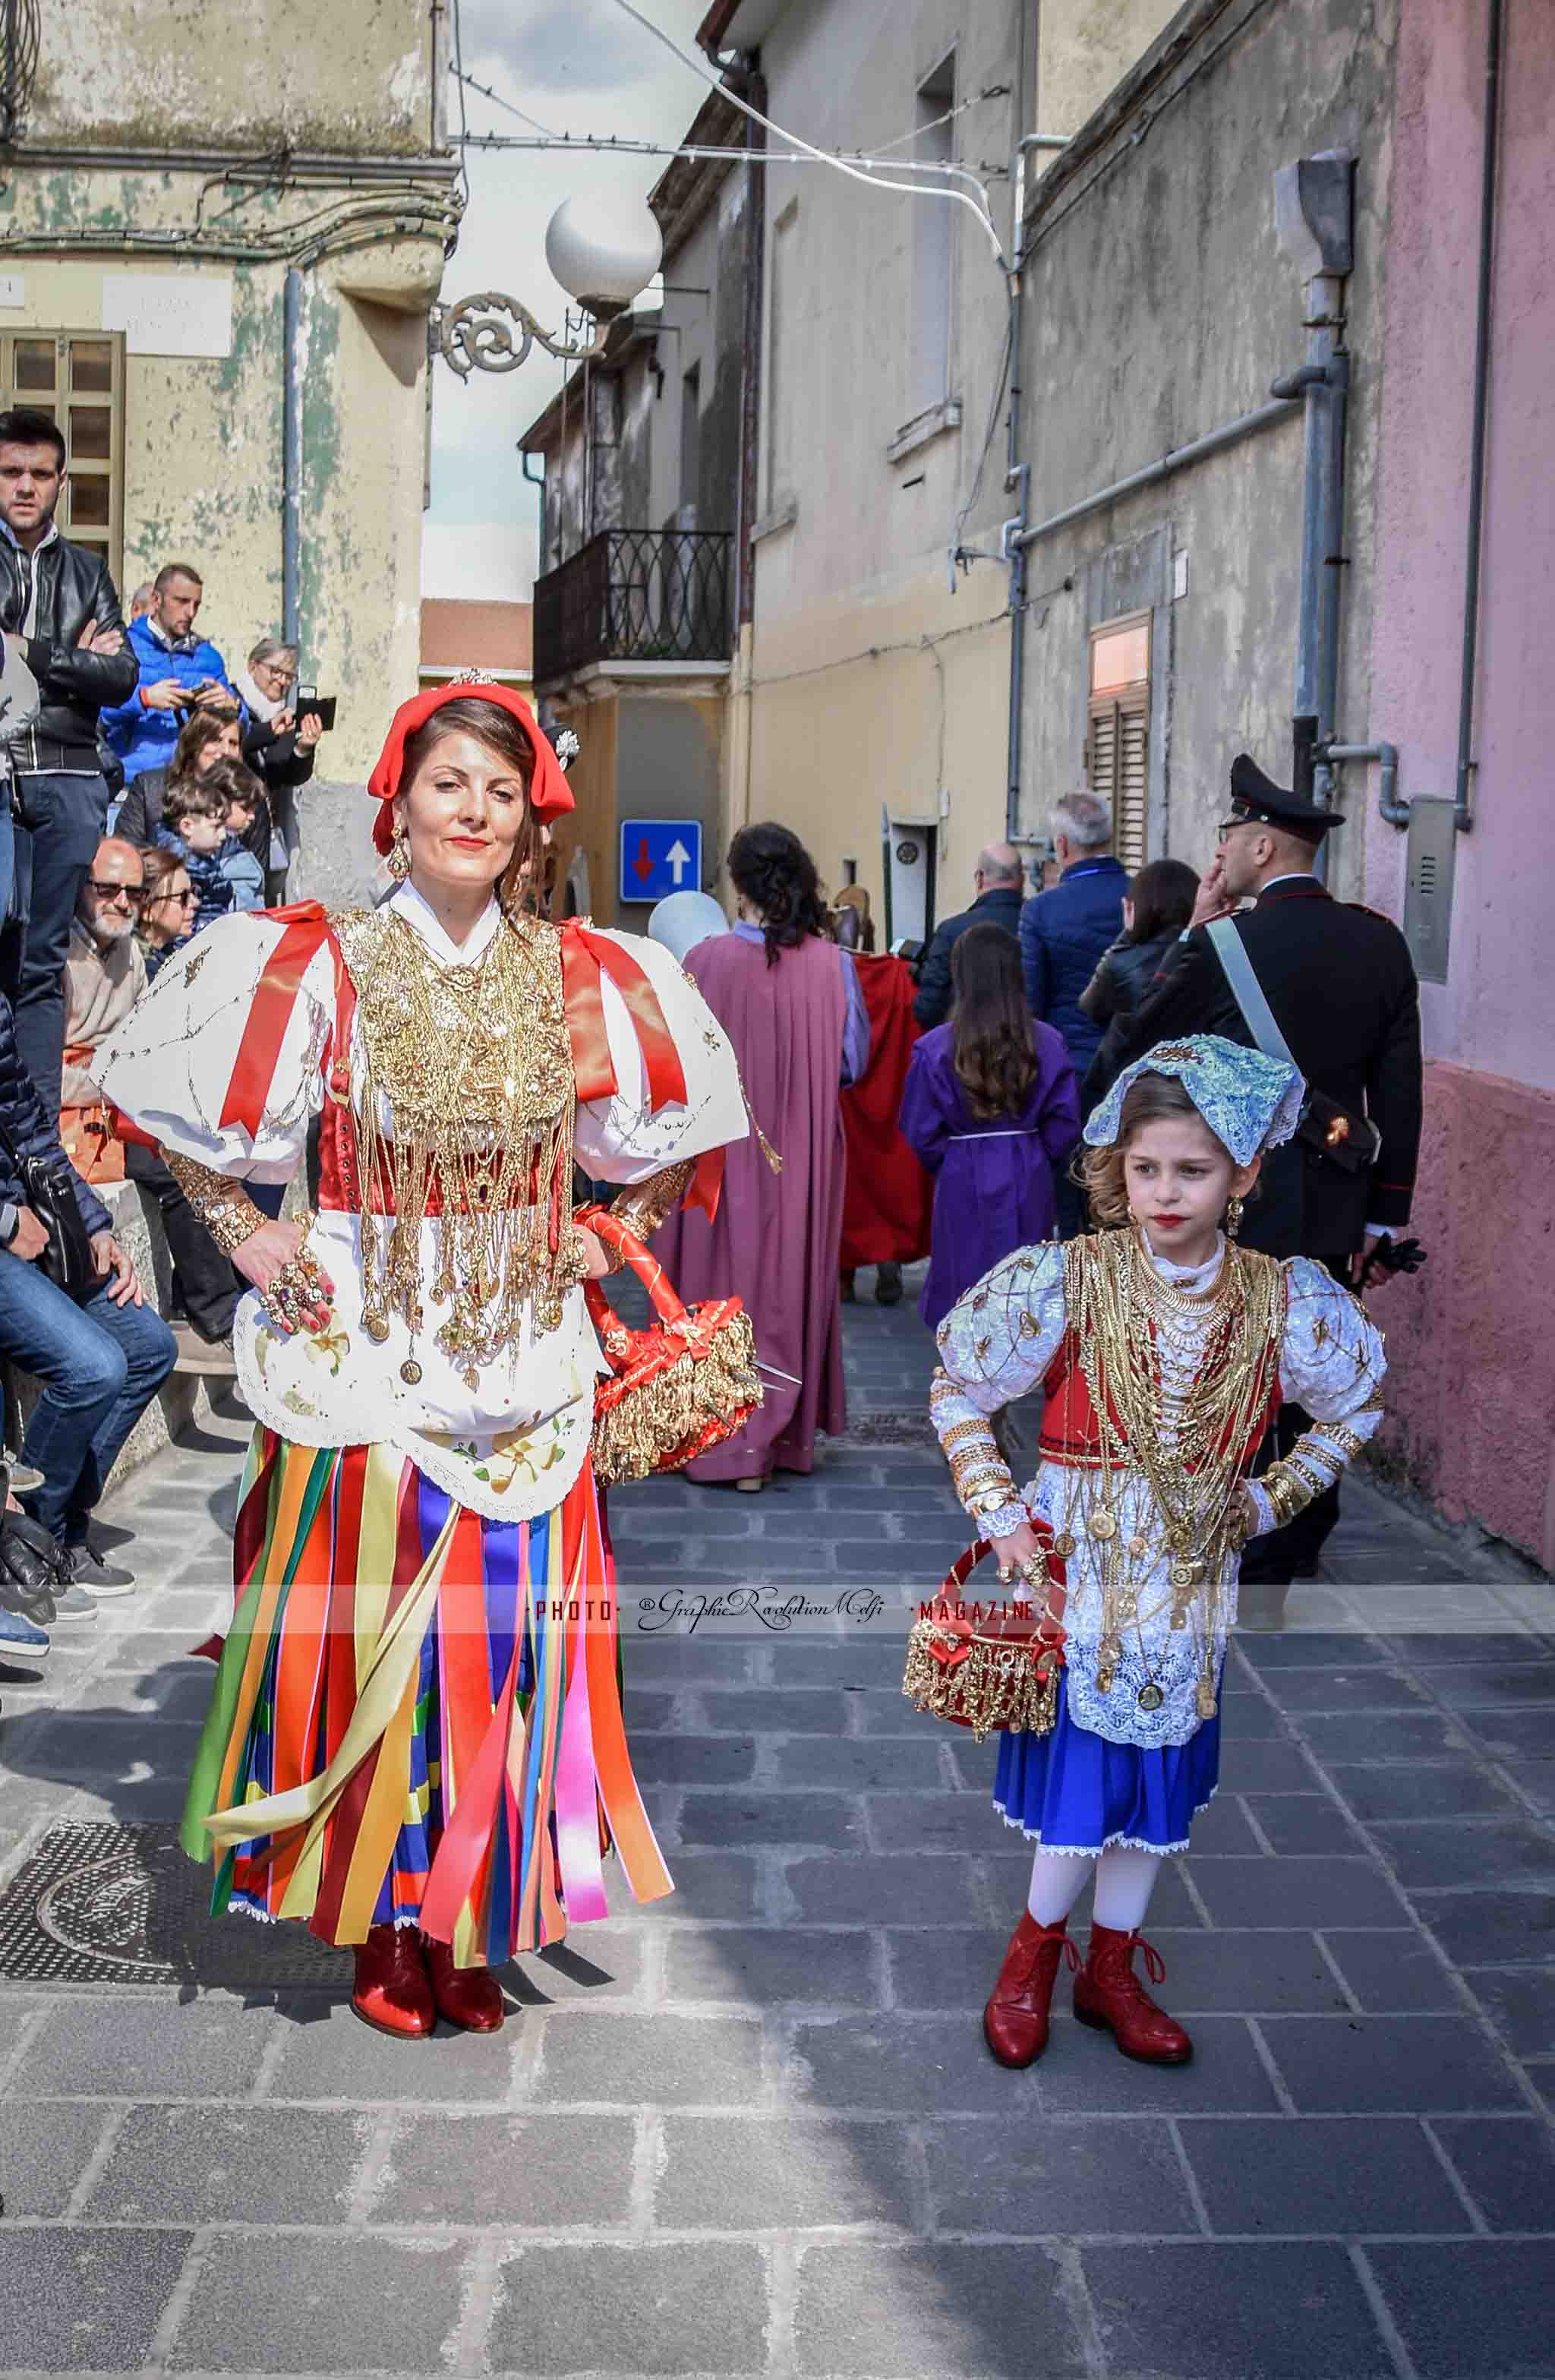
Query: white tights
column 1125, row 1878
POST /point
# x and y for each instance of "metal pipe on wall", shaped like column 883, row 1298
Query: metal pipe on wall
column 1175, row 459
column 1017, row 475
column 291, row 461
column 1463, row 815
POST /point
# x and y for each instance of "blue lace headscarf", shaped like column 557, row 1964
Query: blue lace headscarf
column 1248, row 1100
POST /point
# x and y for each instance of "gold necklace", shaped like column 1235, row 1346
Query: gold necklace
column 463, row 1106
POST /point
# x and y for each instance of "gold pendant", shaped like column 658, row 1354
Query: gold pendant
column 1103, row 1523
column 1138, row 1548
column 1104, row 1682
column 1150, row 1697
column 1204, row 1698
column 376, row 1327
column 1179, row 1620
column 1182, row 1574
column 410, row 1372
column 1064, row 1543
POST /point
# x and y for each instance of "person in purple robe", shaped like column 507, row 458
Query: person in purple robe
column 992, row 1108
column 789, row 999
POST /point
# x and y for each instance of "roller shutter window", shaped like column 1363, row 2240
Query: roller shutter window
column 1118, row 735
column 77, row 378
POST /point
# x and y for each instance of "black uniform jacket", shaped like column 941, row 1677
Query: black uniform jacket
column 1342, row 984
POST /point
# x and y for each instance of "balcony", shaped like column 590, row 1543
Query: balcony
column 636, row 595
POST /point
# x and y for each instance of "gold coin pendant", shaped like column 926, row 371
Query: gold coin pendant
column 1064, row 1543
column 1150, row 1697
column 1182, row 1574
column 410, row 1371
column 376, row 1327
column 1103, row 1525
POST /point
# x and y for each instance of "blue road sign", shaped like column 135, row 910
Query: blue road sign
column 659, row 856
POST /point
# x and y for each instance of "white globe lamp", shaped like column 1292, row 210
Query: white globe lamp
column 603, row 254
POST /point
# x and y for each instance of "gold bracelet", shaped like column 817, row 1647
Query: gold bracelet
column 648, row 1204
column 963, row 1429
column 223, row 1205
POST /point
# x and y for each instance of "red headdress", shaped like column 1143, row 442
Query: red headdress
column 548, row 792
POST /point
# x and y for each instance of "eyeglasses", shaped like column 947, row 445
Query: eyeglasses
column 112, row 891
column 186, row 900
column 1229, row 826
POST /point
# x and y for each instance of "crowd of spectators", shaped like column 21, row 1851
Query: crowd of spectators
column 144, row 792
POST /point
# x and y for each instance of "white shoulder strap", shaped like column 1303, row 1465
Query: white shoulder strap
column 1258, row 1015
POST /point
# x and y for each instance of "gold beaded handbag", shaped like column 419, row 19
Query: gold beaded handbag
column 993, row 1669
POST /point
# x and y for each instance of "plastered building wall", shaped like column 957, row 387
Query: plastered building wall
column 130, row 160
column 1160, row 307
column 839, row 703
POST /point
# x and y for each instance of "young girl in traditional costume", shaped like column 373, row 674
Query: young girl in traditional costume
column 1162, row 1349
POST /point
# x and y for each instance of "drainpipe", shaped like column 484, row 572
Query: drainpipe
column 1017, row 475
column 1387, row 756
column 1462, row 817
column 291, row 462
column 1314, row 207
column 525, row 460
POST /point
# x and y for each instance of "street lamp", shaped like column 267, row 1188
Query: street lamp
column 600, row 260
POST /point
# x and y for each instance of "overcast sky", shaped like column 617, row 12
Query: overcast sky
column 577, row 65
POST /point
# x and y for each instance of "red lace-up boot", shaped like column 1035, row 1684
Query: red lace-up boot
column 1109, row 1995
column 1015, row 2020
column 468, row 1997
column 393, row 1992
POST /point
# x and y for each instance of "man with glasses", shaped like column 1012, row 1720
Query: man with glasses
column 106, row 975
column 1342, row 987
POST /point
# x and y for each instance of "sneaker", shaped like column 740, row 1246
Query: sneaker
column 84, row 1567
column 19, row 1640
column 74, row 1603
column 200, row 1354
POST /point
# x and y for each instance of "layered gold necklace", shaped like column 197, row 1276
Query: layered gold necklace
column 462, row 1102
column 1178, row 1382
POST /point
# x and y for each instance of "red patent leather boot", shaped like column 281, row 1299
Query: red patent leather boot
column 1015, row 2020
column 1109, row 1995
column 393, row 1992
column 468, row 1997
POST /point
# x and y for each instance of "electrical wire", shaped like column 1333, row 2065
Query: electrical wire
column 994, row 91
column 498, row 100
column 459, row 86
column 995, row 408
column 982, row 210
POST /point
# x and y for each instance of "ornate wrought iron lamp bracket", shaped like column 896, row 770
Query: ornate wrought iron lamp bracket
column 469, row 343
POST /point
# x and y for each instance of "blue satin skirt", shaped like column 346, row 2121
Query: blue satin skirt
column 1073, row 1790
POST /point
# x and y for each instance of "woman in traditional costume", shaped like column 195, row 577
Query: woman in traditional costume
column 416, row 1743
column 1163, row 1349
column 789, row 1000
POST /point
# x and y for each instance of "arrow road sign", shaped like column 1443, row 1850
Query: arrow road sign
column 659, row 857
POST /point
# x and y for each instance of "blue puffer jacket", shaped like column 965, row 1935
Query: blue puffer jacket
column 1063, row 933
column 145, row 739
column 24, row 1123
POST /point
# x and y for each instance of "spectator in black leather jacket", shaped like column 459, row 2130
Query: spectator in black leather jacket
column 101, row 1361
column 1156, row 909
column 60, row 611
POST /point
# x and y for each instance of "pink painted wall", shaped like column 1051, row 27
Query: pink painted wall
column 1484, row 1311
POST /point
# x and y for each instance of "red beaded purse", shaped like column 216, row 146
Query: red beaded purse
column 674, row 1389
column 991, row 1668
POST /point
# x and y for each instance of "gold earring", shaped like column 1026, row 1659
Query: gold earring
column 399, row 855
column 1234, row 1216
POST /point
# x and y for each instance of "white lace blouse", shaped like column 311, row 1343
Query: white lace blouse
column 1331, row 1362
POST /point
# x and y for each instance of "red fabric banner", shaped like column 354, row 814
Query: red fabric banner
column 585, row 958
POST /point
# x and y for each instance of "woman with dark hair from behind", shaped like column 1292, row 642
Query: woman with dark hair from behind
column 789, row 1000
column 1156, row 907
column 992, row 1108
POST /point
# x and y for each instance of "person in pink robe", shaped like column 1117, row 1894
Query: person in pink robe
column 790, row 1002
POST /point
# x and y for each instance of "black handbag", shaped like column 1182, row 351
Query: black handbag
column 49, row 1185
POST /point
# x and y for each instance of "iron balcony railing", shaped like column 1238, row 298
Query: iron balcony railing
column 636, row 595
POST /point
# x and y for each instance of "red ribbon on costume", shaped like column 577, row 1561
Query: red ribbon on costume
column 585, row 958
column 307, row 930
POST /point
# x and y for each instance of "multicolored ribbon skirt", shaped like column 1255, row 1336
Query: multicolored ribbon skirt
column 416, row 1718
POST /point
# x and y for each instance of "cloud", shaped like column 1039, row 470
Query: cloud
column 564, row 46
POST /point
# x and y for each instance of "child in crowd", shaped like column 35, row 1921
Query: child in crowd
column 238, row 862
column 991, row 1108
column 1163, row 1349
column 194, row 827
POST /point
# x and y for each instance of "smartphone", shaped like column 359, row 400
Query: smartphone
column 310, row 701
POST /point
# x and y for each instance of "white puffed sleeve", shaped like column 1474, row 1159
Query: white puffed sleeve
column 617, row 1139
column 169, row 1065
column 1331, row 1362
column 994, row 1346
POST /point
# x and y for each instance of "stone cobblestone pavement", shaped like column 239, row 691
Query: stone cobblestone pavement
column 753, row 2129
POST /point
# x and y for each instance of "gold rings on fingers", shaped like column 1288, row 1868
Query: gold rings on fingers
column 298, row 1297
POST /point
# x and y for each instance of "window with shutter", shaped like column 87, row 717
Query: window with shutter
column 77, row 378
column 1117, row 741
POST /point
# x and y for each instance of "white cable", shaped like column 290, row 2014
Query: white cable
column 910, row 189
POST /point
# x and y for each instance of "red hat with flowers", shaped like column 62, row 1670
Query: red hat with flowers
column 548, row 792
